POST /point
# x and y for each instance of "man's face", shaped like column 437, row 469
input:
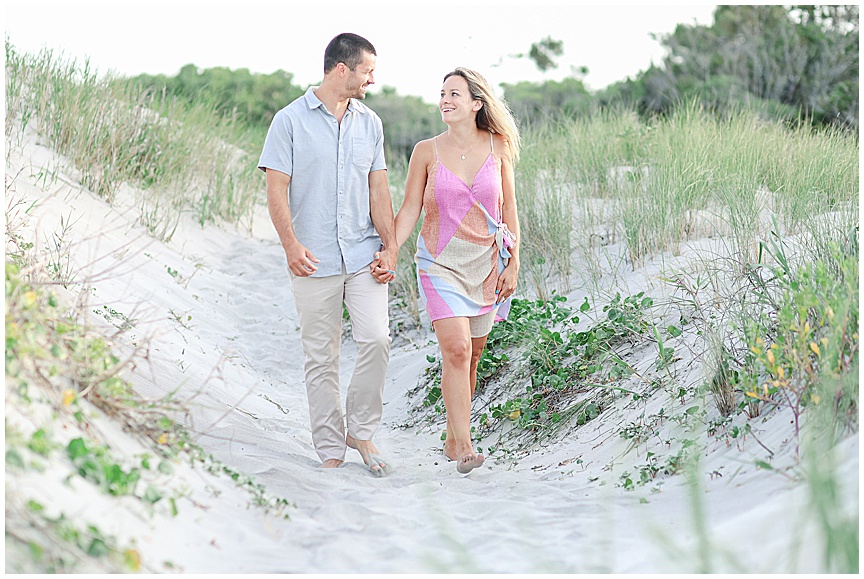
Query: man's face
column 359, row 79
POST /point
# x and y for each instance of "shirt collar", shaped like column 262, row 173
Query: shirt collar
column 354, row 106
column 313, row 102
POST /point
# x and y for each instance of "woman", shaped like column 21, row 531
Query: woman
column 467, row 253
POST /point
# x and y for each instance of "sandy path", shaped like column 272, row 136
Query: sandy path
column 425, row 517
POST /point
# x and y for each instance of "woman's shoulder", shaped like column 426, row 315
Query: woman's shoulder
column 501, row 145
column 425, row 149
column 428, row 143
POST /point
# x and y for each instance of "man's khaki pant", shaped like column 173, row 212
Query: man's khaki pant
column 319, row 307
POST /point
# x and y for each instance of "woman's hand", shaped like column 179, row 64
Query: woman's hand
column 507, row 282
column 383, row 267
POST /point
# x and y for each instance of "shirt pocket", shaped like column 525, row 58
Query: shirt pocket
column 361, row 154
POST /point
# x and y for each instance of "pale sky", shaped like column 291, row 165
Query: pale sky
column 417, row 43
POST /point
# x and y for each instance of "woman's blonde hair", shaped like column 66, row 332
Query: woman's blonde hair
column 495, row 115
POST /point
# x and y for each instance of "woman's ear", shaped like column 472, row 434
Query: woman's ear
column 478, row 104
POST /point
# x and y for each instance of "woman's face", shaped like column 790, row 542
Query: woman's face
column 456, row 103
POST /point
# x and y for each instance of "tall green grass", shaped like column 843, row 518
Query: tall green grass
column 404, row 286
column 182, row 157
column 655, row 184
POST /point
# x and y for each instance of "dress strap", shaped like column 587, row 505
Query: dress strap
column 435, row 143
column 491, row 143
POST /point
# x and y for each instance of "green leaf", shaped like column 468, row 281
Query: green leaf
column 39, row 443
column 34, row 506
column 674, row 331
column 585, row 306
column 165, row 467
column 152, row 495
column 98, row 548
column 76, row 448
column 13, row 458
column 36, row 550
column 764, row 465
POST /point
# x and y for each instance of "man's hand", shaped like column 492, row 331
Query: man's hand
column 300, row 260
column 383, row 266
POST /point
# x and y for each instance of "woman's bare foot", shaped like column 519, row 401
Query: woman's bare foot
column 469, row 461
column 465, row 457
column 331, row 463
column 450, row 450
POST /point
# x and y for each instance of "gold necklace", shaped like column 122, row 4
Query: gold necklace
column 462, row 155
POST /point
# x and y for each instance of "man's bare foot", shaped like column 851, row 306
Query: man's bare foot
column 331, row 463
column 370, row 455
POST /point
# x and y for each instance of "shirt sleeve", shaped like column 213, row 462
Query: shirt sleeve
column 278, row 152
column 378, row 162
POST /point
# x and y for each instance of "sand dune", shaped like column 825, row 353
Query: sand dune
column 214, row 312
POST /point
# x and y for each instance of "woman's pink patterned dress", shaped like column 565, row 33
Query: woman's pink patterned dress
column 463, row 246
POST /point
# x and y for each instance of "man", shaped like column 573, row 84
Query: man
column 335, row 222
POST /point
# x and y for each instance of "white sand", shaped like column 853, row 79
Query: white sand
column 236, row 358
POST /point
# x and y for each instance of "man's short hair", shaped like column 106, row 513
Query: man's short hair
column 347, row 48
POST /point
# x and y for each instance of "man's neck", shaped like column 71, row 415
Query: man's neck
column 332, row 99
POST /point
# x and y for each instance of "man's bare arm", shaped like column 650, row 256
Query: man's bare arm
column 300, row 259
column 381, row 209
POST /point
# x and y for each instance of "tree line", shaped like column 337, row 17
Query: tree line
column 783, row 62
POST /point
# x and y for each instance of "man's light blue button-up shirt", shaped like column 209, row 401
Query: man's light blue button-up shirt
column 329, row 167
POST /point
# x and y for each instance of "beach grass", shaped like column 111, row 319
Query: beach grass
column 182, row 158
column 659, row 183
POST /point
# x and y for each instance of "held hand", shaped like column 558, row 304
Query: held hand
column 506, row 283
column 300, row 260
column 383, row 267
